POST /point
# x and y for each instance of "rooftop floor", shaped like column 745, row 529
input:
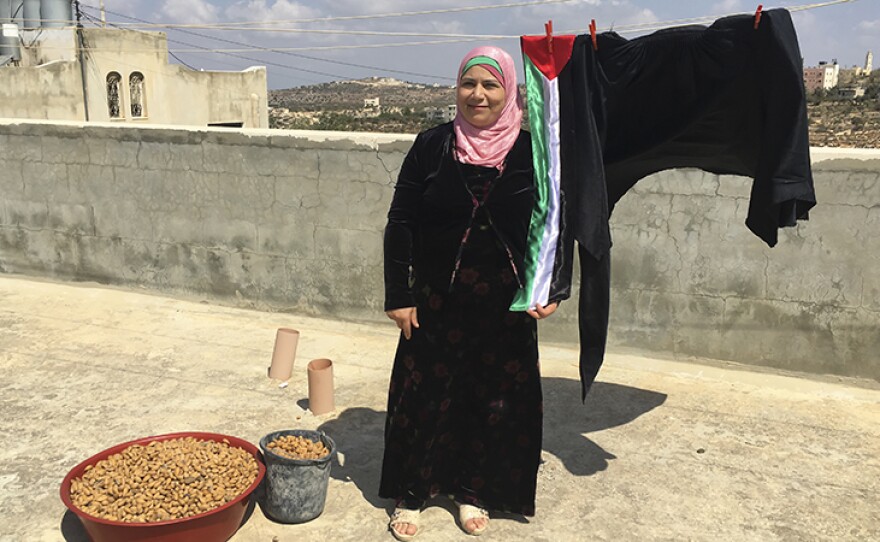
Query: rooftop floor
column 662, row 450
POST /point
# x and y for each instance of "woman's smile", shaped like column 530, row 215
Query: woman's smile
column 480, row 97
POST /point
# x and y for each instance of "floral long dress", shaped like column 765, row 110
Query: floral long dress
column 464, row 404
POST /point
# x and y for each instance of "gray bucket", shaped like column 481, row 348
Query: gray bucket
column 296, row 489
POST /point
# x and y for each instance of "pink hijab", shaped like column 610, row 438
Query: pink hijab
column 489, row 146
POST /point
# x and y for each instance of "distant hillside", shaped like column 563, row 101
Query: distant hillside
column 340, row 95
column 840, row 122
column 407, row 108
column 845, row 123
column 403, row 107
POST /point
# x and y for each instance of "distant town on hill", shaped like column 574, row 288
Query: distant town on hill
column 838, row 117
column 376, row 104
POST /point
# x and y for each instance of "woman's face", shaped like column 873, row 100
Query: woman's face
column 480, row 97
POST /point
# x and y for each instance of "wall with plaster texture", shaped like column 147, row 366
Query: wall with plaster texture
column 293, row 221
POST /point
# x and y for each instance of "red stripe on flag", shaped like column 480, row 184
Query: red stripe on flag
column 549, row 64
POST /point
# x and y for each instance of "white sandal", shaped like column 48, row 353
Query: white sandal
column 404, row 516
column 467, row 512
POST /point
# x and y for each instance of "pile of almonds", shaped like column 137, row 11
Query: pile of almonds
column 164, row 480
column 294, row 447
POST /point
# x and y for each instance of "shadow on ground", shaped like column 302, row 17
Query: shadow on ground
column 72, row 529
column 358, row 432
column 566, row 419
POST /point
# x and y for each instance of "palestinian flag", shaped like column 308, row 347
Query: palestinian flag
column 542, row 70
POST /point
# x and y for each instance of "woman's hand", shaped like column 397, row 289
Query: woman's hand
column 539, row 313
column 405, row 318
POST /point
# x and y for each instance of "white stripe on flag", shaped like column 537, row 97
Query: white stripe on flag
column 544, row 271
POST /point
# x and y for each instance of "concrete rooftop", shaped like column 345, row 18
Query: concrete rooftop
column 662, row 450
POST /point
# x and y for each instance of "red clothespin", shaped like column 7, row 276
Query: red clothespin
column 758, row 15
column 548, row 28
column 593, row 34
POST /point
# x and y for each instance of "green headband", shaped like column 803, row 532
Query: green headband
column 481, row 60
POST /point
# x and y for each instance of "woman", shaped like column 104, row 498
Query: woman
column 464, row 405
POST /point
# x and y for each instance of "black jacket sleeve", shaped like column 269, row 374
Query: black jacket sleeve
column 400, row 232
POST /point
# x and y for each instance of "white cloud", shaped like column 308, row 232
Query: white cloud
column 727, row 6
column 817, row 43
column 261, row 10
column 188, row 11
column 575, row 17
column 360, row 7
column 870, row 26
column 119, row 6
column 641, row 16
column 869, row 43
column 805, row 22
column 448, row 27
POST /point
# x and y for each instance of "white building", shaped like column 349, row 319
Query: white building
column 441, row 114
column 125, row 78
column 825, row 76
column 866, row 70
column 851, row 93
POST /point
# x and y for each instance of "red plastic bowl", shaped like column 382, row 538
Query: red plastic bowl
column 214, row 525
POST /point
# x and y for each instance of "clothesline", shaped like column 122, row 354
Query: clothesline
column 662, row 25
column 455, row 38
column 620, row 29
column 373, row 16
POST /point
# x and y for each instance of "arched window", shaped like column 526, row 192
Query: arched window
column 114, row 96
column 136, row 90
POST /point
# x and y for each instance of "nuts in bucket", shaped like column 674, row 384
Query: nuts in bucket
column 295, row 447
column 164, row 480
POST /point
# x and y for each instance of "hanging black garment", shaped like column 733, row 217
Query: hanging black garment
column 728, row 99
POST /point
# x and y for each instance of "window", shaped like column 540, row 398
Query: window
column 114, row 98
column 136, row 91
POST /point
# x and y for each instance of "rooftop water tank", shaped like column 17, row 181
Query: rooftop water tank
column 10, row 44
column 11, row 11
column 30, row 13
column 56, row 13
column 7, row 10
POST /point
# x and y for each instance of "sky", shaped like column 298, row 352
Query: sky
column 845, row 31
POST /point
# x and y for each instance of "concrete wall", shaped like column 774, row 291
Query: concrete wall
column 282, row 220
column 228, row 97
column 689, row 278
column 60, row 95
column 293, row 221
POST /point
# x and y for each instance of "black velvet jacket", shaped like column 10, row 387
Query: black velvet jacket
column 432, row 208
